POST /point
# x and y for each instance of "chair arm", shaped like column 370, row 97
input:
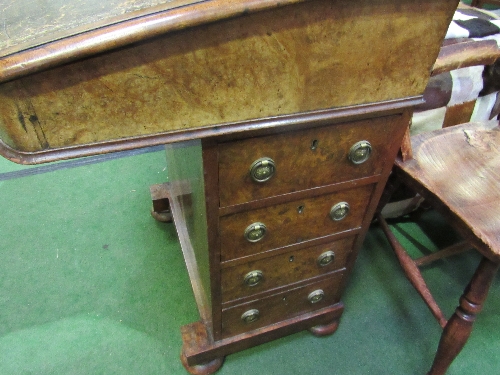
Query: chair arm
column 464, row 54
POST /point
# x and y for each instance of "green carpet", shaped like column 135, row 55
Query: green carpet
column 91, row 284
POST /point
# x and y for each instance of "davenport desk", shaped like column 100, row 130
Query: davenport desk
column 281, row 118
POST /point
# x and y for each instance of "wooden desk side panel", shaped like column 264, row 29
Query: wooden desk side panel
column 308, row 56
column 185, row 173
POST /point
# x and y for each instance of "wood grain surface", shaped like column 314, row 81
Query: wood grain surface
column 283, row 269
column 304, row 159
column 461, row 165
column 282, row 306
column 28, row 23
column 296, row 58
column 287, row 226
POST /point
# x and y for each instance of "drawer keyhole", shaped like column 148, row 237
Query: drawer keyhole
column 314, row 144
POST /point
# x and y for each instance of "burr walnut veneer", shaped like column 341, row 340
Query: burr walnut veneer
column 282, row 119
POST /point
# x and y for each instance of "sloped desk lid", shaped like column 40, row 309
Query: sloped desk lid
column 39, row 34
column 30, row 23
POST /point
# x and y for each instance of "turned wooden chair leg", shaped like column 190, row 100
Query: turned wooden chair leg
column 459, row 327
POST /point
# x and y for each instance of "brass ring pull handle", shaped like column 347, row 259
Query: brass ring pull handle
column 339, row 211
column 262, row 169
column 250, row 316
column 253, row 278
column 360, row 152
column 316, row 296
column 326, row 258
column 255, row 232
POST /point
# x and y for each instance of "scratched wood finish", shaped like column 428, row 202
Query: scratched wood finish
column 29, row 23
column 296, row 58
column 287, row 226
column 299, row 164
column 283, row 269
column 471, row 152
column 146, row 24
column 282, row 306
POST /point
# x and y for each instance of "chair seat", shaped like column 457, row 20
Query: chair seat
column 460, row 165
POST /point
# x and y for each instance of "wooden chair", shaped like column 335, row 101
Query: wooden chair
column 457, row 170
column 480, row 3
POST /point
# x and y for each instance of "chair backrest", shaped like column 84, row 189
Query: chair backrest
column 456, row 56
column 461, row 89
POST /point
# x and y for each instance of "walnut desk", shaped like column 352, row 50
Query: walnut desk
column 281, row 118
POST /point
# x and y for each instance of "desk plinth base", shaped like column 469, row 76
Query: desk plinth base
column 202, row 357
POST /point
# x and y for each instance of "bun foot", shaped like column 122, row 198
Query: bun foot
column 324, row 330
column 163, row 216
column 203, row 368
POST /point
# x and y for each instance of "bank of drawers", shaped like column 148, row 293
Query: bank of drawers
column 291, row 205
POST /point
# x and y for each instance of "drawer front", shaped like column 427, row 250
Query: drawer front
column 280, row 270
column 302, row 159
column 281, row 306
column 291, row 223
